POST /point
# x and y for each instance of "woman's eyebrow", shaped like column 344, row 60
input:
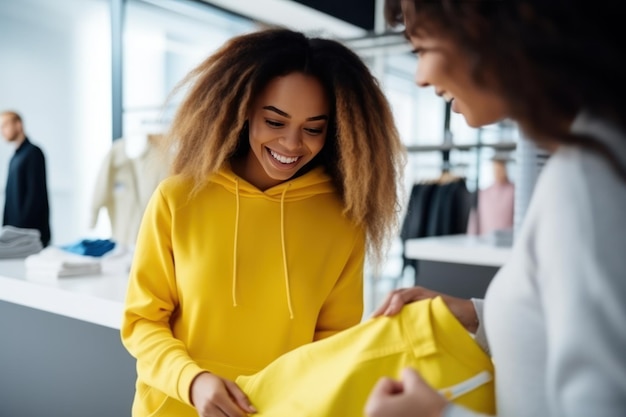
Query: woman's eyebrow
column 279, row 111
column 287, row 115
column 320, row 117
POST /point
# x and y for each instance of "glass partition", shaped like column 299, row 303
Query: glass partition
column 163, row 41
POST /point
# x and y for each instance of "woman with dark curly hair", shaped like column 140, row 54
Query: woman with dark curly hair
column 286, row 170
column 554, row 314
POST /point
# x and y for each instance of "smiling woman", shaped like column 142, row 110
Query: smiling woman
column 286, row 167
column 449, row 68
column 544, row 65
column 287, row 131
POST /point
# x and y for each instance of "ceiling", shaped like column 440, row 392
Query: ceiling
column 358, row 23
column 344, row 19
column 357, row 12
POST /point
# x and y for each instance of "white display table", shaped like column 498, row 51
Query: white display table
column 60, row 347
column 95, row 299
column 462, row 249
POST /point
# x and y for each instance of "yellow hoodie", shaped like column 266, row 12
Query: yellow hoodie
column 232, row 278
column 335, row 376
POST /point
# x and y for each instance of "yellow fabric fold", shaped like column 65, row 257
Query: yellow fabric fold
column 334, row 376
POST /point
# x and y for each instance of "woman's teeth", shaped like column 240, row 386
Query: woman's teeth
column 283, row 159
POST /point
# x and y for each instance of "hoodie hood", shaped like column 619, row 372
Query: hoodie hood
column 312, row 183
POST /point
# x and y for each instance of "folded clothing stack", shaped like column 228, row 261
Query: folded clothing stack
column 53, row 262
column 90, row 247
column 501, row 237
column 16, row 242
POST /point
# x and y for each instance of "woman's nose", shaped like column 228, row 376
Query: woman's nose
column 420, row 80
column 293, row 139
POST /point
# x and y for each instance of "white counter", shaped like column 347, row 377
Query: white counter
column 99, row 299
column 463, row 249
column 95, row 299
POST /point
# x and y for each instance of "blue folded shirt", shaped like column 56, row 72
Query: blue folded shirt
column 90, row 247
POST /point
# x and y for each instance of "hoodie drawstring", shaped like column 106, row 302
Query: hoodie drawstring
column 235, row 245
column 282, row 240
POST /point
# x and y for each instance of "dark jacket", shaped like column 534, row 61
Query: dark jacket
column 26, row 195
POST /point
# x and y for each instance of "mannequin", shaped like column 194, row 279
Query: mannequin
column 136, row 145
column 494, row 211
column 128, row 176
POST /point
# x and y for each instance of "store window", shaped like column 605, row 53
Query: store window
column 56, row 73
column 163, row 41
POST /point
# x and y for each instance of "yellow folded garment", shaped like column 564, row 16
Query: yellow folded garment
column 334, row 376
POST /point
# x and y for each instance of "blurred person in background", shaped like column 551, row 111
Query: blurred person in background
column 26, row 194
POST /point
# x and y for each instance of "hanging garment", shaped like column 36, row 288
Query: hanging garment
column 449, row 209
column 416, row 218
column 456, row 209
column 435, row 208
column 124, row 187
column 495, row 209
column 334, row 376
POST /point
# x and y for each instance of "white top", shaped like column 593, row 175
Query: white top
column 555, row 314
column 124, row 186
column 97, row 299
column 464, row 249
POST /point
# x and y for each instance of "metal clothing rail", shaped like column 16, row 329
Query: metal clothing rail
column 500, row 146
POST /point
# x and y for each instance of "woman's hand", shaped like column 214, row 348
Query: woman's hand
column 461, row 308
column 215, row 396
column 411, row 397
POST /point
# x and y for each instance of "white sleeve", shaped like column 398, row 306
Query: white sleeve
column 453, row 410
column 581, row 277
column 103, row 188
column 480, row 336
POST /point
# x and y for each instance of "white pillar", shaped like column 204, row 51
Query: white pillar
column 530, row 160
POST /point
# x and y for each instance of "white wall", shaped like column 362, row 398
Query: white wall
column 55, row 72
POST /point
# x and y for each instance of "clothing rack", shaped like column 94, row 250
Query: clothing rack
column 436, row 207
column 448, row 145
column 499, row 146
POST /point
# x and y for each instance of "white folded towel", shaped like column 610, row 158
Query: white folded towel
column 55, row 262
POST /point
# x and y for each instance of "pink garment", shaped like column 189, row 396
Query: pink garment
column 495, row 209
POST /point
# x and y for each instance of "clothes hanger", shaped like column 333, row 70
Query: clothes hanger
column 446, row 177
